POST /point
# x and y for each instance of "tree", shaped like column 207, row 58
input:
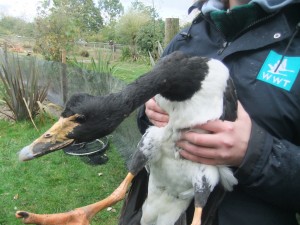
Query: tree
column 142, row 28
column 87, row 15
column 54, row 33
column 153, row 32
column 141, row 7
column 111, row 9
column 62, row 22
column 128, row 27
column 149, row 35
column 12, row 25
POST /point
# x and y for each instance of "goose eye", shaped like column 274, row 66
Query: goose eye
column 80, row 119
column 47, row 135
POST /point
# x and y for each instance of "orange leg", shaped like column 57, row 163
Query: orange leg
column 80, row 216
column 197, row 216
column 76, row 216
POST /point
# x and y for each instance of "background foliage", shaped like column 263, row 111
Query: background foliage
column 11, row 25
column 61, row 24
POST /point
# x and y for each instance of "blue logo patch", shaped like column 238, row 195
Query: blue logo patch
column 282, row 76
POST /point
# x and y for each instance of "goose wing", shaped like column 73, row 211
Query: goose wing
column 230, row 102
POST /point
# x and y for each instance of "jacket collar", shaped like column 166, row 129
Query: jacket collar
column 275, row 29
column 270, row 6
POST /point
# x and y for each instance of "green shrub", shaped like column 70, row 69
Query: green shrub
column 27, row 46
column 126, row 53
column 84, row 53
column 99, row 65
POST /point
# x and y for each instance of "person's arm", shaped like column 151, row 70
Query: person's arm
column 271, row 170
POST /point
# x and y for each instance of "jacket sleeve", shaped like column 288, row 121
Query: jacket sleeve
column 142, row 120
column 271, row 170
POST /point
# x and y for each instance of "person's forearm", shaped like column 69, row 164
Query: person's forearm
column 271, row 170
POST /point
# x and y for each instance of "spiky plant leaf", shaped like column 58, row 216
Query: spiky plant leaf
column 22, row 82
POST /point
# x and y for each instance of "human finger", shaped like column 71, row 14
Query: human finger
column 194, row 158
column 200, row 151
column 155, row 114
column 209, row 140
column 216, row 126
column 153, row 106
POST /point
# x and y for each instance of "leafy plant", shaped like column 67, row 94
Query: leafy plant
column 22, row 91
column 159, row 54
column 97, row 75
column 99, row 65
column 148, row 36
column 126, row 54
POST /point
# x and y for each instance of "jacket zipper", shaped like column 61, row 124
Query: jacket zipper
column 289, row 44
column 254, row 23
column 213, row 25
column 227, row 43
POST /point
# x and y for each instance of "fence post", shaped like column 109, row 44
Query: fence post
column 171, row 28
column 64, row 81
column 5, row 51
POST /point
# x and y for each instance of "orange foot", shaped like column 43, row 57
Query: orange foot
column 80, row 216
column 74, row 217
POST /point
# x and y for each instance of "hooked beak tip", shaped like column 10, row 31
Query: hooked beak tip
column 25, row 154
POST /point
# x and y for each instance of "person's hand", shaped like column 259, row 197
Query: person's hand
column 225, row 143
column 157, row 116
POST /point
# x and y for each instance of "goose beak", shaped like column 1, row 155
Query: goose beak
column 52, row 140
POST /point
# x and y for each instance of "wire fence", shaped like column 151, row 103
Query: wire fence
column 23, row 44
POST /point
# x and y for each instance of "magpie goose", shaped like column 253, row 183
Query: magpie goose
column 192, row 90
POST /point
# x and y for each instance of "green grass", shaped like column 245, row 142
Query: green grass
column 124, row 70
column 53, row 183
column 130, row 71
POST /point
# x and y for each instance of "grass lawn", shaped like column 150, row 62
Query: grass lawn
column 53, row 183
column 130, row 71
